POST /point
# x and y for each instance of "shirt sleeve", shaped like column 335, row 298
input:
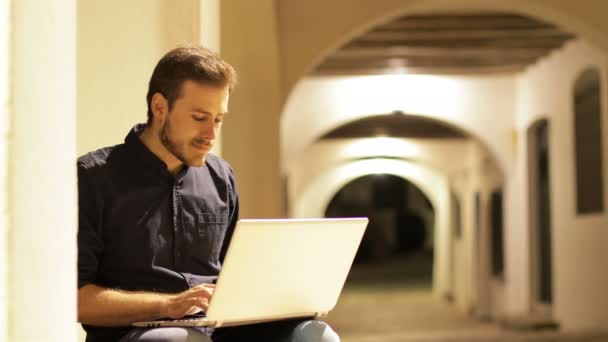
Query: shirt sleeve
column 195, row 279
column 90, row 241
column 233, row 215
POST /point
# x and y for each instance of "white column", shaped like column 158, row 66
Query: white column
column 210, row 24
column 4, row 84
column 210, row 37
column 42, row 172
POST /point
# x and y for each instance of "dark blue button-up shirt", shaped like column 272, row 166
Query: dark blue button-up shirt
column 141, row 229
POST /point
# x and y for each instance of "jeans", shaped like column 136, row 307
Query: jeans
column 277, row 331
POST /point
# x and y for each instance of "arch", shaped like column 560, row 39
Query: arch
column 395, row 124
column 538, row 121
column 319, row 105
column 439, row 155
column 318, row 193
column 401, row 217
column 304, row 48
column 587, row 78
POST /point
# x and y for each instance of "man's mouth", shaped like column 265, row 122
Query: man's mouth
column 202, row 146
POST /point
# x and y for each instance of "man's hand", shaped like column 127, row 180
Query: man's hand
column 100, row 306
column 189, row 302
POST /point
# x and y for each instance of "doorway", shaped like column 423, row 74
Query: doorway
column 540, row 218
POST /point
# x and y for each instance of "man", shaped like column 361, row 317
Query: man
column 157, row 212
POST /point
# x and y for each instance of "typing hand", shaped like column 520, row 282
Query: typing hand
column 189, row 302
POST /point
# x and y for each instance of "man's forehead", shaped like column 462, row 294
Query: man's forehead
column 204, row 94
column 200, row 85
column 204, row 110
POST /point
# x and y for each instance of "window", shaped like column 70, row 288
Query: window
column 588, row 143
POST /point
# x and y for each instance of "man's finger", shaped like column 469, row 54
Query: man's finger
column 197, row 291
column 202, row 303
column 193, row 310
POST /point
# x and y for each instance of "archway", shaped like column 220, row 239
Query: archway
column 318, row 106
column 304, row 49
column 401, row 216
column 397, row 248
column 315, row 196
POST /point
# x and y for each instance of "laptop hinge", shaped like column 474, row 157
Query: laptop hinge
column 321, row 314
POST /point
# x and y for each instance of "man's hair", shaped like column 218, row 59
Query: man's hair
column 188, row 63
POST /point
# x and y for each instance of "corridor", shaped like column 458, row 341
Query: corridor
column 391, row 301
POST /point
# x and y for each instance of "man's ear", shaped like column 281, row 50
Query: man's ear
column 160, row 106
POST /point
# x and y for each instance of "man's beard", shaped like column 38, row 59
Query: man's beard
column 174, row 148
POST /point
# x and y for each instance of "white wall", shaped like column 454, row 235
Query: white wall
column 481, row 105
column 119, row 43
column 463, row 255
column 580, row 279
column 42, row 173
column 4, row 131
column 251, row 132
column 115, row 62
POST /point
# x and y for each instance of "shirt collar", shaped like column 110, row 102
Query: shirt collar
column 144, row 156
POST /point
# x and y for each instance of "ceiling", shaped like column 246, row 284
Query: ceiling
column 447, row 44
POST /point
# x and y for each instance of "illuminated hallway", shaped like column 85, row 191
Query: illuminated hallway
column 499, row 119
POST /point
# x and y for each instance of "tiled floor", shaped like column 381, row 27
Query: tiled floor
column 469, row 337
column 384, row 303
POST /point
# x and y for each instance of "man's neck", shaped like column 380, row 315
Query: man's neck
column 152, row 142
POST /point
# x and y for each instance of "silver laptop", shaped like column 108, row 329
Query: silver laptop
column 279, row 269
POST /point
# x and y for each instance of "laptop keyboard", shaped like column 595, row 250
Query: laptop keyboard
column 190, row 318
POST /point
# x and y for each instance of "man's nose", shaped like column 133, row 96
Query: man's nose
column 209, row 131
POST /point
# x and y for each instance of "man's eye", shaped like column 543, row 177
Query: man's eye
column 219, row 120
column 200, row 118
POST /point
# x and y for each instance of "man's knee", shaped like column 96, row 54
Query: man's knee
column 314, row 331
column 167, row 335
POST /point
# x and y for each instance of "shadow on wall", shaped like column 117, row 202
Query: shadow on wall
column 401, row 216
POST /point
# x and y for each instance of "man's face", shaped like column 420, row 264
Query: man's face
column 192, row 125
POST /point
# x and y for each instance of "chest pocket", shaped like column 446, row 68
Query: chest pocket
column 211, row 231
